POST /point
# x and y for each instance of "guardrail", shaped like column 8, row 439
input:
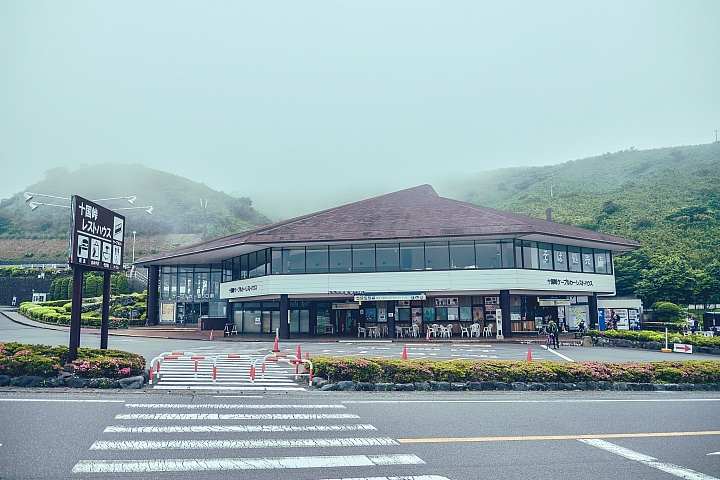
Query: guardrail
column 277, row 358
column 155, row 364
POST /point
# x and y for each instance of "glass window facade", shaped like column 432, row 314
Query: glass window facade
column 391, row 257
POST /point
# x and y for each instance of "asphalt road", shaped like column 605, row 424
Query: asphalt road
column 340, row 435
column 151, row 347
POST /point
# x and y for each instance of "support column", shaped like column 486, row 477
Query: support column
column 391, row 319
column 152, row 306
column 593, row 311
column 105, row 311
column 76, row 311
column 284, row 317
column 505, row 306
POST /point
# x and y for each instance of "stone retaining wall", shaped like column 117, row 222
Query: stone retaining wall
column 322, row 384
column 624, row 343
column 71, row 381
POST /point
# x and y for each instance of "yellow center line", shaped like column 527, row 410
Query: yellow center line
column 556, row 437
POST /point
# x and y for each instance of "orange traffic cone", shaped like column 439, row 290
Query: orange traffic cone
column 212, row 334
column 404, row 355
column 529, row 357
column 276, row 347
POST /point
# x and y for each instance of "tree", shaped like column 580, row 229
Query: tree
column 667, row 312
column 667, row 279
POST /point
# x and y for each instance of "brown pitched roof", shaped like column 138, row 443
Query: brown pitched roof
column 414, row 213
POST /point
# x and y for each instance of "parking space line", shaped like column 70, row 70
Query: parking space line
column 670, row 468
column 567, row 359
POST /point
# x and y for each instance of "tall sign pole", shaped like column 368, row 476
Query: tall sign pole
column 97, row 242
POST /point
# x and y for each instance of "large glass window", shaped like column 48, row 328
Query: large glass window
column 294, row 260
column 560, row 257
column 252, row 319
column 508, row 258
column 257, row 264
column 487, row 255
column 546, row 256
column 340, row 258
column 588, row 265
column 244, row 267
column 462, row 255
column 387, row 257
column 530, row 255
column 412, row 256
column 316, row 259
column 600, row 262
column 276, row 261
column 574, row 259
column 437, row 256
column 363, row 258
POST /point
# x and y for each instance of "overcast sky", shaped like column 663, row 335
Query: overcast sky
column 295, row 100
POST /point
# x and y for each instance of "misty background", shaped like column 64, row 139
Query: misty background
column 308, row 105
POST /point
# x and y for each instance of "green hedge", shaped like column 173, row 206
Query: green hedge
column 60, row 315
column 651, row 336
column 408, row 371
column 17, row 359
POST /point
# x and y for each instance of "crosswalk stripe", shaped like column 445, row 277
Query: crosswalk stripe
column 219, row 386
column 231, row 406
column 404, row 477
column 256, row 443
column 234, row 416
column 236, row 428
column 191, row 464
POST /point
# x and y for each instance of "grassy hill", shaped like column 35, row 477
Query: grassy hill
column 177, row 217
column 667, row 199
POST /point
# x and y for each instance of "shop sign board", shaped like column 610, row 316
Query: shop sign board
column 374, row 297
column 97, row 236
column 681, row 348
column 552, row 302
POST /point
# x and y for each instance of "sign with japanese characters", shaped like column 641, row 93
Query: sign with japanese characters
column 97, row 236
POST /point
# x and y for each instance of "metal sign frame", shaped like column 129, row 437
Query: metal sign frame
column 97, row 236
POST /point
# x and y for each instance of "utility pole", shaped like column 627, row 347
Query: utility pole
column 551, row 184
column 204, row 207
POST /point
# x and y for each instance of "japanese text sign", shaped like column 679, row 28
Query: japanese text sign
column 97, row 236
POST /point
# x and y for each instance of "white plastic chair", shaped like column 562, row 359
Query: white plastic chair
column 362, row 330
column 415, row 330
column 464, row 330
column 487, row 331
column 475, row 330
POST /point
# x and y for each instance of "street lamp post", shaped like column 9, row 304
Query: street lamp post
column 134, row 232
column 204, row 207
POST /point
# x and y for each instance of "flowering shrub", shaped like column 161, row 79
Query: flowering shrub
column 60, row 315
column 408, row 371
column 18, row 359
column 650, row 336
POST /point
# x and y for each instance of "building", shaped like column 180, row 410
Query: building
column 406, row 258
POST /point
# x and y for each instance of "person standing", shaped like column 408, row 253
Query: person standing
column 554, row 333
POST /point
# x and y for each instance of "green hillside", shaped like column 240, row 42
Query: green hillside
column 667, row 199
column 175, row 201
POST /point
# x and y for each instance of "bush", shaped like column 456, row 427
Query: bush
column 408, row 371
column 18, row 359
column 651, row 336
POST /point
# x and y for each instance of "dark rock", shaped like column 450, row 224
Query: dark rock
column 422, row 386
column 474, row 386
column 715, row 387
column 103, row 383
column 552, row 385
column 404, row 387
column 519, row 386
column 657, row 387
column 624, row 343
column 5, row 380
column 364, row 386
column 444, row 386
column 330, row 387
column 647, row 387
column 384, row 387
column 320, row 384
column 132, row 382
column 27, row 381
column 592, row 385
column 605, row 385
column 458, row 386
column 685, row 386
column 654, row 345
column 488, row 386
column 55, row 382
column 632, row 386
column 76, row 382
column 622, row 386
column 581, row 386
column 503, row 386
column 346, row 385
column 317, row 380
column 536, row 386
column 702, row 386
column 566, row 386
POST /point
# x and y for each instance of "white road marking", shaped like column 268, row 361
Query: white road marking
column 192, row 464
column 220, row 386
column 237, row 396
column 558, row 354
column 234, row 416
column 714, row 453
column 564, row 400
column 57, row 400
column 404, row 477
column 258, row 443
column 218, row 406
column 237, row 428
column 676, row 470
